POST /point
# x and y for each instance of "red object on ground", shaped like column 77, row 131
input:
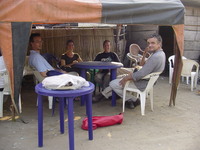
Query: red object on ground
column 102, row 121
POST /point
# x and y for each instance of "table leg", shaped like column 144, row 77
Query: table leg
column 89, row 114
column 83, row 74
column 53, row 106
column 93, row 80
column 71, row 123
column 40, row 121
column 61, row 108
column 112, row 77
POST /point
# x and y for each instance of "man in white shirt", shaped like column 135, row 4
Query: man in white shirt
column 37, row 61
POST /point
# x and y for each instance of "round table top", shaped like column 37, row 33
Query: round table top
column 98, row 65
column 39, row 89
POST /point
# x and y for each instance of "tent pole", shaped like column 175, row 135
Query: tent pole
column 179, row 48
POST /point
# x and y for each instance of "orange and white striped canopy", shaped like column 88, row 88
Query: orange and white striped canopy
column 16, row 17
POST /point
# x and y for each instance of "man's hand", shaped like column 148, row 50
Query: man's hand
column 125, row 79
column 122, row 82
column 145, row 53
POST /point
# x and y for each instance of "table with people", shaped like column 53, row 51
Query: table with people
column 106, row 59
column 109, row 67
column 112, row 66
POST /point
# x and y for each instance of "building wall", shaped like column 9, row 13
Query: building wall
column 137, row 34
column 192, row 33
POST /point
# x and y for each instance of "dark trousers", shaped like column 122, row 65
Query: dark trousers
column 53, row 73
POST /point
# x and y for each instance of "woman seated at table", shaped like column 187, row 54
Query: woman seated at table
column 69, row 58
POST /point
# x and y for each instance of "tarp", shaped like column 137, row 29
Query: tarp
column 16, row 17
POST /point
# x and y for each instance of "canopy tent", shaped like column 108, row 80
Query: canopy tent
column 17, row 16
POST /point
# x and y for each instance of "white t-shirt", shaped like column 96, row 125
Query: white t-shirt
column 2, row 69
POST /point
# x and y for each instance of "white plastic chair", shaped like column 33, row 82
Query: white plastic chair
column 135, row 54
column 143, row 94
column 27, row 69
column 188, row 72
column 133, row 61
column 39, row 78
column 6, row 91
column 171, row 67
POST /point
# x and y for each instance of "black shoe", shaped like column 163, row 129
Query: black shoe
column 97, row 98
column 129, row 104
column 137, row 102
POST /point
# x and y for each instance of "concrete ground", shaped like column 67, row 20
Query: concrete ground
column 166, row 128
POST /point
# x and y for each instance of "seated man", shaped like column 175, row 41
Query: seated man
column 156, row 63
column 37, row 61
column 103, row 76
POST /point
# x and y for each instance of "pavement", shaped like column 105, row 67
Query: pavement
column 166, row 128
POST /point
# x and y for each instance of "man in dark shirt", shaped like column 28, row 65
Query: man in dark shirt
column 103, row 76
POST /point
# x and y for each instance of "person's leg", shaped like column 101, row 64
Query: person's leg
column 105, row 80
column 107, row 92
column 131, row 101
column 98, row 78
column 53, row 73
column 121, row 71
column 114, row 84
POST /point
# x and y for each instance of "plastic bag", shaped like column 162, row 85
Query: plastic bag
column 102, row 121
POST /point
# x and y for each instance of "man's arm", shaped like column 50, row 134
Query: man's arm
column 125, row 79
column 97, row 58
column 39, row 65
column 44, row 74
column 145, row 53
column 146, row 69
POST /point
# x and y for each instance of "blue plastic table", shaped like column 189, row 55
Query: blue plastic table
column 62, row 95
column 100, row 65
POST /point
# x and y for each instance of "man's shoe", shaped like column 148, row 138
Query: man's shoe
column 97, row 98
column 137, row 102
column 129, row 104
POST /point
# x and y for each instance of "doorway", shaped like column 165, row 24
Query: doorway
column 167, row 35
